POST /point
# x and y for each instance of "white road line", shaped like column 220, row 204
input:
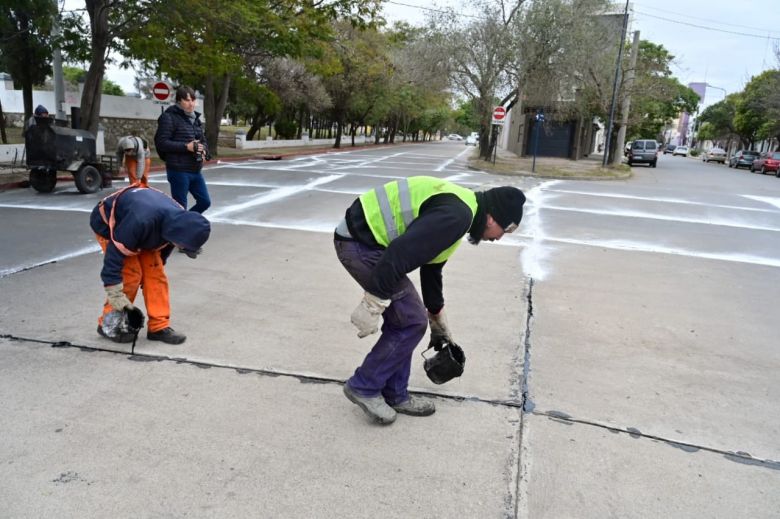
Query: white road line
column 272, row 196
column 655, row 216
column 766, row 199
column 46, row 208
column 451, row 160
column 665, row 200
column 80, row 252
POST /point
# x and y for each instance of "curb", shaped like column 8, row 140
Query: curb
column 241, row 158
column 521, row 173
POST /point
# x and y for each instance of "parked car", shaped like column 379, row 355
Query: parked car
column 643, row 151
column 669, row 148
column 471, row 140
column 714, row 155
column 680, row 150
column 454, row 137
column 767, row 163
column 627, row 148
column 743, row 158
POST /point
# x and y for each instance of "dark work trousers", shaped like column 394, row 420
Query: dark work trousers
column 385, row 370
column 183, row 182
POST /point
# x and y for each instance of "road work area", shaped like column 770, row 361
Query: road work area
column 621, row 355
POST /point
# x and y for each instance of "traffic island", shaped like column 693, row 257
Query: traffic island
column 589, row 168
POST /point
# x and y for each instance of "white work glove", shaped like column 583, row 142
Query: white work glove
column 366, row 315
column 117, row 298
column 440, row 330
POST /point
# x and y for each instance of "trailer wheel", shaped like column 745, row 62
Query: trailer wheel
column 43, row 180
column 88, row 179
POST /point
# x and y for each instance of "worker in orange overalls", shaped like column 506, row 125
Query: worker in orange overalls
column 137, row 228
column 135, row 159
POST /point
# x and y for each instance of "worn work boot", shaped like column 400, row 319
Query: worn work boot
column 415, row 407
column 375, row 406
column 167, row 335
column 121, row 338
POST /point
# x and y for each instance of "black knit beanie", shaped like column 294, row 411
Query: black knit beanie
column 505, row 205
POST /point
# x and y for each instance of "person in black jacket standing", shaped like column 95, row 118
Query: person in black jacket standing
column 180, row 143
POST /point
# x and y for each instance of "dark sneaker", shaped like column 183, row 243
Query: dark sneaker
column 415, row 407
column 121, row 338
column 375, row 407
column 167, row 335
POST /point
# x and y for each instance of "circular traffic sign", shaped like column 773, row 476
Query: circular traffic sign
column 499, row 113
column 161, row 91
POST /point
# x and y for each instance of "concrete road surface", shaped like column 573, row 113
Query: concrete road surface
column 622, row 356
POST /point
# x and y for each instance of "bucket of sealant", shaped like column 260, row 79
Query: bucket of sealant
column 447, row 364
column 122, row 326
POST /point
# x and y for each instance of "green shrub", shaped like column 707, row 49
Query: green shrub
column 286, row 129
column 695, row 153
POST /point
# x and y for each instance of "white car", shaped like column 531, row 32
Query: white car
column 680, row 150
column 454, row 137
column 471, row 140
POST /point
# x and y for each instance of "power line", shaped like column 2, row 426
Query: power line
column 730, row 24
column 706, row 28
column 430, row 9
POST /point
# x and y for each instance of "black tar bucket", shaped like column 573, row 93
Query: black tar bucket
column 135, row 319
column 447, row 364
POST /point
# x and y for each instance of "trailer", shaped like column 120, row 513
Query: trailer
column 51, row 148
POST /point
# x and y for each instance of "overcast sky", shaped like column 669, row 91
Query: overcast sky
column 720, row 42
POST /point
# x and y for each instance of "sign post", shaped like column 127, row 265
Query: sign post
column 538, row 121
column 162, row 93
column 499, row 116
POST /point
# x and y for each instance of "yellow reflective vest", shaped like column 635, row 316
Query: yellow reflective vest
column 390, row 209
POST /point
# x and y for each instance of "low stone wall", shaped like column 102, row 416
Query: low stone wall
column 243, row 144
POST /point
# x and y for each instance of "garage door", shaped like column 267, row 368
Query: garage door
column 555, row 140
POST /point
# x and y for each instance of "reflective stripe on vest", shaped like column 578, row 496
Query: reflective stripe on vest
column 390, row 209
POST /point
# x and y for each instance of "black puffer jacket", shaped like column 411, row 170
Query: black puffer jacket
column 174, row 130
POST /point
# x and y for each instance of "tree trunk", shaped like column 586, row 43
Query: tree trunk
column 214, row 103
column 337, row 144
column 2, row 125
column 93, row 82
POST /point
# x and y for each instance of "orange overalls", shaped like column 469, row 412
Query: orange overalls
column 142, row 269
column 131, row 164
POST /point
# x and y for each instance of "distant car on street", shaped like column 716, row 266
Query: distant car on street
column 767, row 163
column 669, row 148
column 680, row 150
column 643, row 151
column 471, row 140
column 454, row 137
column 714, row 155
column 743, row 158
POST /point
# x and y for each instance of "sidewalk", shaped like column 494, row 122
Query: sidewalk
column 589, row 168
column 18, row 177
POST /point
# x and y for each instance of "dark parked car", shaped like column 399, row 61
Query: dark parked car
column 767, row 163
column 643, row 151
column 743, row 158
column 669, row 148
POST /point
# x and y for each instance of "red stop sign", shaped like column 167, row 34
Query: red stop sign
column 499, row 113
column 161, row 91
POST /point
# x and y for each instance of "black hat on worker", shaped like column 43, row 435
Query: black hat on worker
column 505, row 205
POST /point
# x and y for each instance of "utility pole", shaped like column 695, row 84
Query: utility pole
column 59, row 82
column 615, row 88
column 626, row 106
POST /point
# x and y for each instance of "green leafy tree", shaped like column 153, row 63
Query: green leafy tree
column 210, row 43
column 762, row 96
column 93, row 38
column 26, row 44
column 74, row 75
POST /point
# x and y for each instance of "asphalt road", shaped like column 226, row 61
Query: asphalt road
column 622, row 356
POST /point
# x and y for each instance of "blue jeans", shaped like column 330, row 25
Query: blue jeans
column 183, row 182
column 386, row 368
